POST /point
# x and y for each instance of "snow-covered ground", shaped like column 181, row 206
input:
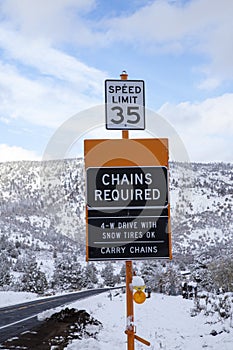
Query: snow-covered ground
column 12, row 298
column 163, row 320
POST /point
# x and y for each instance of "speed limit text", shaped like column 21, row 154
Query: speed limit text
column 124, row 93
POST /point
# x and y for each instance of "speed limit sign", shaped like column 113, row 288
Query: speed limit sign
column 125, row 104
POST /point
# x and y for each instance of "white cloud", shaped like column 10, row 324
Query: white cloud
column 61, row 87
column 200, row 26
column 209, row 84
column 14, row 153
column 55, row 19
column 209, row 148
column 59, row 22
column 38, row 82
column 42, row 84
column 213, row 115
column 38, row 54
column 41, row 102
column 206, row 127
column 197, row 26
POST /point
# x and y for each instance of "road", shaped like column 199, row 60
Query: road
column 19, row 318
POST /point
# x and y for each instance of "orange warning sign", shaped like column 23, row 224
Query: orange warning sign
column 128, row 210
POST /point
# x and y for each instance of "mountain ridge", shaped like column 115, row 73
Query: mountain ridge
column 42, row 206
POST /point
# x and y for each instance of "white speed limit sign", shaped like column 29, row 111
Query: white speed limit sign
column 125, row 104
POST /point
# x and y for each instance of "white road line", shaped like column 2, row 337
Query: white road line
column 13, row 323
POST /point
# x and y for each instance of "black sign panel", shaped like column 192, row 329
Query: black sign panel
column 127, row 213
column 131, row 187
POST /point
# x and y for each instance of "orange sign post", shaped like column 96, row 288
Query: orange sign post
column 128, row 210
column 128, row 279
column 130, row 329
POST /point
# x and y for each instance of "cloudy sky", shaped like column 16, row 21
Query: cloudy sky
column 55, row 56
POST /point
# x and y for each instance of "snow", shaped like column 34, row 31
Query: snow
column 163, row 320
column 48, row 313
column 210, row 233
column 8, row 298
column 12, row 298
column 138, row 281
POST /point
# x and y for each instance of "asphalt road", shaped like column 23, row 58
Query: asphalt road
column 19, row 318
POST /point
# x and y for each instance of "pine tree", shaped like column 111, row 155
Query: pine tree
column 221, row 273
column 123, row 273
column 5, row 276
column 108, row 275
column 34, row 280
column 171, row 280
column 68, row 273
column 149, row 274
column 90, row 276
column 162, row 278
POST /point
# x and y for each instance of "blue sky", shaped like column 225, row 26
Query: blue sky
column 55, row 56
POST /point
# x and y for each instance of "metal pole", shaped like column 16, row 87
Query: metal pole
column 129, row 311
column 129, row 275
column 125, row 133
column 130, row 328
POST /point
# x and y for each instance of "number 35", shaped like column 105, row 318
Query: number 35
column 131, row 111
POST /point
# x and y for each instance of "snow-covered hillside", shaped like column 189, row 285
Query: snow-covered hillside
column 44, row 195
column 202, row 207
column 42, row 227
